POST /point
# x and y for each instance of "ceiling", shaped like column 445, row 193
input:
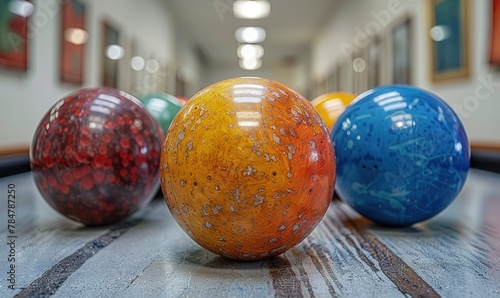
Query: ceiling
column 210, row 25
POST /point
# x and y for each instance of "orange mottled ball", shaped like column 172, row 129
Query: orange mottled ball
column 247, row 168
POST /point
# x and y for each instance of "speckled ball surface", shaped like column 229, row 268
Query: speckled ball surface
column 402, row 155
column 248, row 168
column 95, row 156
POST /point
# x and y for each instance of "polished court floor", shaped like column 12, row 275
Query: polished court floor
column 456, row 254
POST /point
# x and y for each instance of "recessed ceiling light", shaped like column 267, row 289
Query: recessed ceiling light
column 256, row 9
column 114, row 52
column 250, row 51
column 21, row 8
column 250, row 63
column 76, row 36
column 250, row 34
column 440, row 32
column 137, row 63
column 359, row 64
column 152, row 66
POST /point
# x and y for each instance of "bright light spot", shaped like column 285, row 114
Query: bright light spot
column 358, row 65
column 137, row 63
column 257, row 9
column 250, row 34
column 250, row 64
column 250, row 51
column 440, row 32
column 152, row 66
column 76, row 36
column 458, row 147
column 248, row 123
column 21, row 8
column 114, row 52
column 247, row 115
column 394, row 106
column 246, row 99
column 157, row 105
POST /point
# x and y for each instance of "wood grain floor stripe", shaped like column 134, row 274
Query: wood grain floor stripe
column 285, row 282
column 403, row 276
column 320, row 261
column 48, row 283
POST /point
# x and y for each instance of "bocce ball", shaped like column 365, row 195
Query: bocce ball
column 95, row 156
column 331, row 105
column 402, row 155
column 247, row 168
column 162, row 106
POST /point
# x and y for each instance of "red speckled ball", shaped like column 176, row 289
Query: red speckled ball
column 95, row 156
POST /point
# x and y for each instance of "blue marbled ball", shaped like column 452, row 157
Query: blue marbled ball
column 402, row 155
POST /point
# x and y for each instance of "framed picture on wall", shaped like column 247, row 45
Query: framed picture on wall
column 333, row 81
column 495, row 33
column 374, row 54
column 73, row 39
column 341, row 82
column 346, row 75
column 112, row 52
column 449, row 32
column 180, row 85
column 14, row 34
column 402, row 52
column 359, row 72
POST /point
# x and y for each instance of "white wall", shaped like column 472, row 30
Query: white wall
column 25, row 97
column 478, row 111
column 294, row 75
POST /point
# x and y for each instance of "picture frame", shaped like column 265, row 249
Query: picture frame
column 333, row 80
column 449, row 30
column 180, row 85
column 14, row 39
column 494, row 55
column 111, row 36
column 341, row 79
column 346, row 82
column 374, row 57
column 359, row 72
column 73, row 39
column 402, row 36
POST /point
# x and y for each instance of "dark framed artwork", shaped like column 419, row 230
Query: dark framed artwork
column 110, row 66
column 324, row 84
column 346, row 76
column 449, row 30
column 374, row 54
column 333, row 80
column 74, row 37
column 13, row 37
column 180, row 84
column 136, row 66
column 402, row 52
column 495, row 33
column 341, row 74
column 359, row 72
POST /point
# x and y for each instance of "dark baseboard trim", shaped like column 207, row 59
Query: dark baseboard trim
column 487, row 160
column 14, row 164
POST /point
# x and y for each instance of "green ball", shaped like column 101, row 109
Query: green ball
column 162, row 106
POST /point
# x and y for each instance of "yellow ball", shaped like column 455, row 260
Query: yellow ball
column 331, row 105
